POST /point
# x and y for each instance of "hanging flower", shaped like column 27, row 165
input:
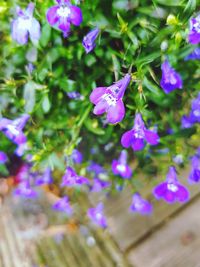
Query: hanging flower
column 109, row 100
column 24, row 190
column 99, row 185
column 97, row 216
column 63, row 15
column 25, row 25
column 76, row 156
column 194, row 176
column 171, row 190
column 3, row 157
column 46, row 178
column 139, row 133
column 140, row 205
column 13, row 129
column 194, row 34
column 120, row 166
column 195, row 55
column 170, row 80
column 71, row 178
column 89, row 40
column 63, row 205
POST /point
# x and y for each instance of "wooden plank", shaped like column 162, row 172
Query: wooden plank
column 177, row 243
column 128, row 228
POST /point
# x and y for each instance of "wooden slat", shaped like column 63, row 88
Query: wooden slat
column 128, row 228
column 177, row 243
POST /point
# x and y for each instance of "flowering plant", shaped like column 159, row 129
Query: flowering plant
column 66, row 62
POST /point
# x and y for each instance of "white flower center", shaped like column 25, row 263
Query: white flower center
column 24, row 23
column 197, row 113
column 197, row 24
column 13, row 130
column 121, row 168
column 63, row 12
column 98, row 216
column 109, row 99
column 172, row 187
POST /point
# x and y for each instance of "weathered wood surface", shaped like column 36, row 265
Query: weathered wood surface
column 176, row 244
column 31, row 234
column 128, row 228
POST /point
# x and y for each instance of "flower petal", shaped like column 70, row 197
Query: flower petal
column 52, row 16
column 34, row 31
column 151, row 137
column 75, row 15
column 182, row 194
column 19, row 34
column 126, row 138
column 116, row 113
column 137, row 143
column 159, row 190
column 97, row 94
column 64, row 25
column 101, row 107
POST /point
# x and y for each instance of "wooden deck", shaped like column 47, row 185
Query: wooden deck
column 32, row 235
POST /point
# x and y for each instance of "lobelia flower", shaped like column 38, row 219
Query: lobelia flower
column 195, row 55
column 171, row 190
column 76, row 156
column 194, row 34
column 140, row 205
column 13, row 129
column 75, row 95
column 89, row 40
column 46, row 178
column 3, row 157
column 97, row 216
column 170, row 80
column 194, row 176
column 63, row 15
column 136, row 136
column 24, row 190
column 96, row 168
column 194, row 116
column 25, row 25
column 71, row 178
column 109, row 100
column 63, row 205
column 99, row 185
column 120, row 166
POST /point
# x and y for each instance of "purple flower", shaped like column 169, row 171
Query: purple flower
column 95, row 168
column 120, row 166
column 71, row 178
column 99, row 185
column 109, row 100
column 97, row 216
column 140, row 205
column 195, row 109
column 75, row 95
column 187, row 122
column 77, row 156
column 13, row 129
column 194, row 34
column 25, row 25
column 171, row 190
column 63, row 205
column 62, row 15
column 46, row 178
column 195, row 55
column 3, row 157
column 24, row 190
column 194, row 176
column 138, row 134
column 194, row 116
column 89, row 40
column 170, row 80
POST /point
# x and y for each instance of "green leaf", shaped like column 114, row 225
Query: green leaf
column 46, row 35
column 46, row 105
column 29, row 96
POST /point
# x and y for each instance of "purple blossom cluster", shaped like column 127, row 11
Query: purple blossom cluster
column 194, row 115
column 108, row 100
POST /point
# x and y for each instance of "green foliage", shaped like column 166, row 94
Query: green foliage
column 133, row 34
